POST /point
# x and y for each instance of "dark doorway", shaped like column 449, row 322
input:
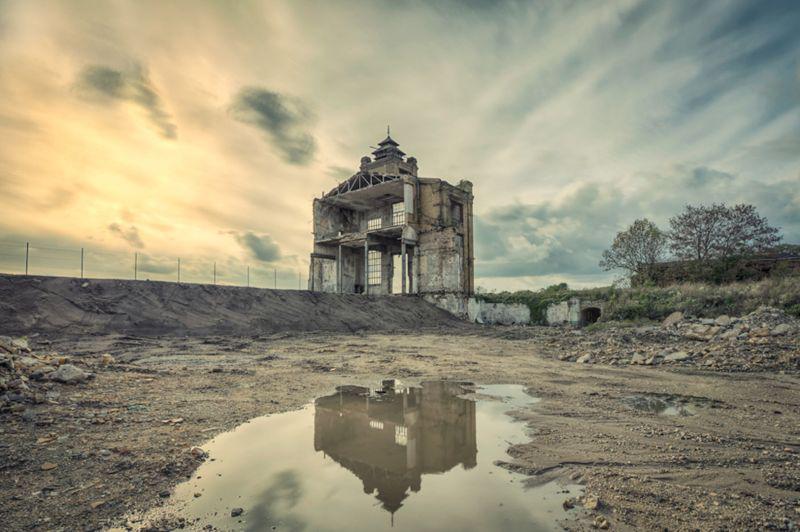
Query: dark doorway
column 590, row 315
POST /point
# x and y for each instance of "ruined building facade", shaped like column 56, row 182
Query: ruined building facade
column 385, row 230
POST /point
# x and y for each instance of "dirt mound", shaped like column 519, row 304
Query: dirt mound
column 92, row 306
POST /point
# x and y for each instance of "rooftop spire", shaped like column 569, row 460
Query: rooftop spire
column 388, row 147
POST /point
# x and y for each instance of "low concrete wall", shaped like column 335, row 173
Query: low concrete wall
column 571, row 312
column 478, row 311
column 498, row 313
column 452, row 303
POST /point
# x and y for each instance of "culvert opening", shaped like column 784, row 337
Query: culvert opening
column 590, row 315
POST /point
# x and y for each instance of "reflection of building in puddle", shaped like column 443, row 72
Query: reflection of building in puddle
column 390, row 438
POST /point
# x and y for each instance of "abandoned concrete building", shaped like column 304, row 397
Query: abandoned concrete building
column 386, row 230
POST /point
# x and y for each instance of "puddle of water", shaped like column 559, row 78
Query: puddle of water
column 668, row 405
column 400, row 458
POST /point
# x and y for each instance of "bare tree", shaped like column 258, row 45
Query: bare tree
column 717, row 231
column 636, row 249
column 745, row 231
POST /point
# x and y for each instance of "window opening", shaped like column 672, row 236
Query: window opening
column 399, row 213
column 373, row 223
column 374, row 264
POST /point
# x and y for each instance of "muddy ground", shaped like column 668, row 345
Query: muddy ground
column 96, row 451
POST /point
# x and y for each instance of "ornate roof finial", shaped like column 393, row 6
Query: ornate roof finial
column 388, row 132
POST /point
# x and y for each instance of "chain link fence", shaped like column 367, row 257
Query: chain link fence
column 26, row 258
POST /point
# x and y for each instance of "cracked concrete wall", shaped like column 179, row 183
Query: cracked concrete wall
column 498, row 313
column 481, row 311
column 440, row 261
column 569, row 312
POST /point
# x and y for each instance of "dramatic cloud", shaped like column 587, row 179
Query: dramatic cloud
column 284, row 119
column 260, row 247
column 129, row 235
column 133, row 86
column 572, row 119
column 567, row 236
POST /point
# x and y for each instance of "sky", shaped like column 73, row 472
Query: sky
column 203, row 130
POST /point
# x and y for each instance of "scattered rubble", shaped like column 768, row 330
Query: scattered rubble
column 32, row 378
column 765, row 339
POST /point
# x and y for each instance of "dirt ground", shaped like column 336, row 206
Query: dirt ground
column 116, row 444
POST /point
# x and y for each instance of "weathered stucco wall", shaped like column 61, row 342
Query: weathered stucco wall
column 481, row 311
column 322, row 274
column 440, row 261
column 498, row 313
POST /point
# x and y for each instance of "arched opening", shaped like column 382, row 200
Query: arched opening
column 590, row 315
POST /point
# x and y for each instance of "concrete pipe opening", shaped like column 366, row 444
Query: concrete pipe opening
column 590, row 315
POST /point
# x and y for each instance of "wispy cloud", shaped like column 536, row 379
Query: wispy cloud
column 282, row 118
column 259, row 247
column 128, row 234
column 104, row 84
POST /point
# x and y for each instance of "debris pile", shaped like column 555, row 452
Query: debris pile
column 765, row 339
column 33, row 378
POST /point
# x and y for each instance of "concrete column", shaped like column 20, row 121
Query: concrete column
column 339, row 270
column 366, row 265
column 403, row 265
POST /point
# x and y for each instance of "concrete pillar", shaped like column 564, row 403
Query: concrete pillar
column 403, row 264
column 366, row 265
column 339, row 270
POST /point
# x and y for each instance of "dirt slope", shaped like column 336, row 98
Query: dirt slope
column 91, row 306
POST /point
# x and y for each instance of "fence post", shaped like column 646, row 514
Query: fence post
column 179, row 270
column 215, row 273
column 81, row 263
column 135, row 265
column 27, row 251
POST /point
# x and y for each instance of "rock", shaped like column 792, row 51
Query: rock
column 97, row 504
column 637, row 359
column 650, row 361
column 584, row 359
column 591, row 502
column 236, row 512
column 677, row 356
column 600, row 522
column 672, row 319
column 41, row 373
column 701, row 332
column 723, row 321
column 47, row 466
column 107, row 359
column 568, row 504
column 731, row 333
column 7, row 344
column 781, row 329
column 163, row 494
column 28, row 362
column 6, row 361
column 198, row 453
column 21, row 344
column 69, row 374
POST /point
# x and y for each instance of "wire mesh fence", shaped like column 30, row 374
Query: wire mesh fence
column 25, row 258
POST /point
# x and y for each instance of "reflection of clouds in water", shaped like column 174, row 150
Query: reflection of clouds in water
column 276, row 502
